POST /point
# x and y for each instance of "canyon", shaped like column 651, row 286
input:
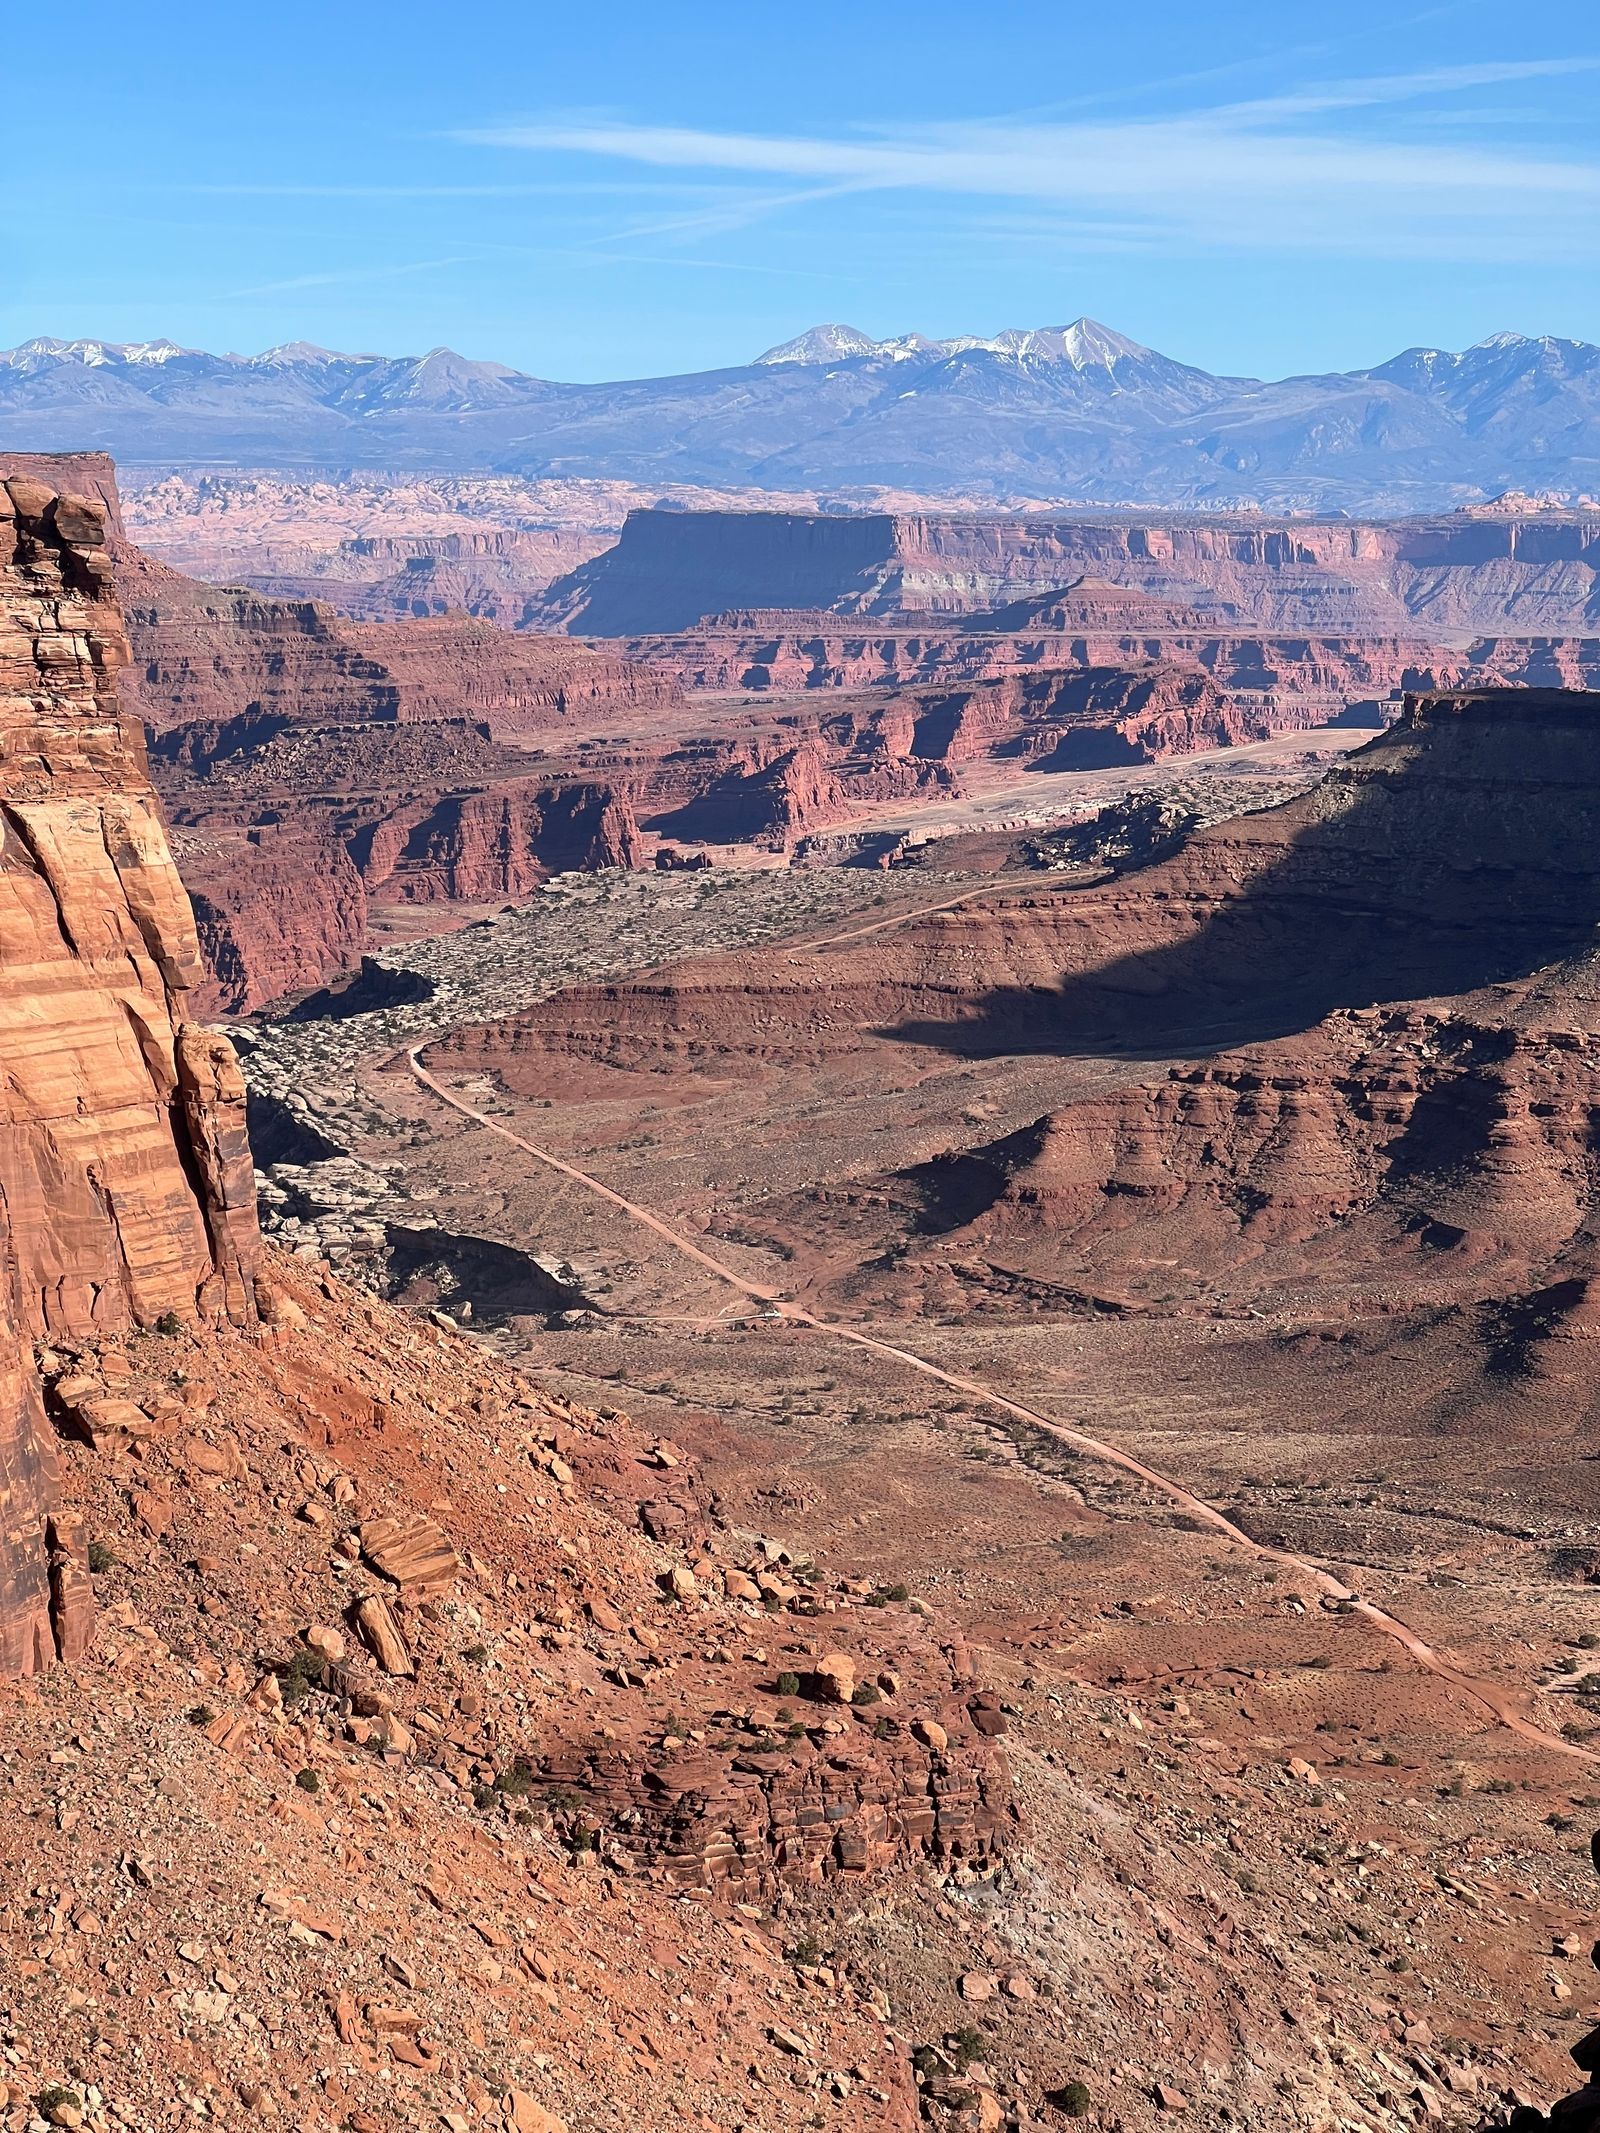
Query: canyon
column 173, row 1390
column 1268, row 1164
column 977, row 1465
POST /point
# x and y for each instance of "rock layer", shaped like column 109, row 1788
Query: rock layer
column 670, row 570
column 128, row 1190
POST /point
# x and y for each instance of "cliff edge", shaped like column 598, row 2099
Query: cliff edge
column 126, row 1187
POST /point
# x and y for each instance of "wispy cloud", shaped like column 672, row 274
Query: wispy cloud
column 341, row 275
column 1306, row 169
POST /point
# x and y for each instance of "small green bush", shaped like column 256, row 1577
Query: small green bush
column 101, row 1559
column 308, row 1781
column 868, row 1693
column 1072, row 2099
column 301, row 1671
column 788, row 1684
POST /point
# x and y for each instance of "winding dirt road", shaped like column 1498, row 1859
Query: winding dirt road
column 1504, row 1705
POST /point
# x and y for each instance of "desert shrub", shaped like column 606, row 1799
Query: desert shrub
column 308, row 1781
column 301, row 1671
column 101, row 1559
column 869, row 1692
column 1072, row 2099
column 788, row 1684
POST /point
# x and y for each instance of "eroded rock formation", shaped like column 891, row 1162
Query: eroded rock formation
column 671, row 570
column 128, row 1190
column 311, row 762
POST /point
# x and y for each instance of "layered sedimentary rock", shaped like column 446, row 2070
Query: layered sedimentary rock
column 1276, row 680
column 127, row 1184
column 427, row 813
column 494, row 575
column 671, row 570
column 275, row 908
column 312, row 760
column 208, row 654
column 1382, row 1005
column 767, row 1819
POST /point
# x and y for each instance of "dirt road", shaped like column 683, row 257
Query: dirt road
column 1505, row 1706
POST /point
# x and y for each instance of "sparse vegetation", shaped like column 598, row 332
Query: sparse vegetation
column 1072, row 2099
column 300, row 1672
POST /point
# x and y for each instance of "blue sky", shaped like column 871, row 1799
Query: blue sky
column 633, row 189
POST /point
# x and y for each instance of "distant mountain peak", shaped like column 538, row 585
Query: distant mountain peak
column 93, row 354
column 1076, row 414
column 1085, row 345
column 298, row 352
column 822, row 344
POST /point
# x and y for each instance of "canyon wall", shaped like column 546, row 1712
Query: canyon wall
column 311, row 761
column 127, row 1185
column 671, row 570
column 205, row 652
column 1289, row 680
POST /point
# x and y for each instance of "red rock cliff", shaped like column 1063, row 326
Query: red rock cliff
column 125, row 1173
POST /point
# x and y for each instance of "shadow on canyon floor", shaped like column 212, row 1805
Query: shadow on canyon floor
column 1345, row 912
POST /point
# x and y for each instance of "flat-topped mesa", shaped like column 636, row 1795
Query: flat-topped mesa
column 125, row 1170
column 672, row 569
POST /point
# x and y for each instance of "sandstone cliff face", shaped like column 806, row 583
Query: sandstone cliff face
column 1272, row 682
column 213, row 653
column 126, row 1177
column 670, row 570
column 275, row 908
column 312, row 761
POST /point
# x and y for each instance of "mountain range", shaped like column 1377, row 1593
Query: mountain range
column 1076, row 414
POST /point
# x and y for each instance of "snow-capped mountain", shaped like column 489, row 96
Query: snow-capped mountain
column 1073, row 414
column 1085, row 344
